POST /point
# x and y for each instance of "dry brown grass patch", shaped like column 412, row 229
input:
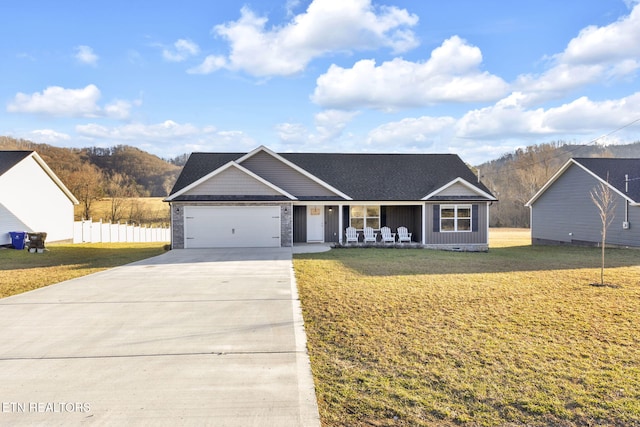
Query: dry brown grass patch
column 515, row 336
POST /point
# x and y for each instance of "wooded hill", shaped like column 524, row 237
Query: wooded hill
column 124, row 171
column 144, row 174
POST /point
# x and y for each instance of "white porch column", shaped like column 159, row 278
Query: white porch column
column 424, row 223
column 340, row 227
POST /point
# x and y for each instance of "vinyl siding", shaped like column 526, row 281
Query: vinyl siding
column 565, row 213
column 407, row 216
column 457, row 190
column 36, row 202
column 9, row 222
column 284, row 176
column 457, row 238
column 232, row 182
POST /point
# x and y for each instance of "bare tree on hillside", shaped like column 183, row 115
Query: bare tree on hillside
column 118, row 189
column 86, row 184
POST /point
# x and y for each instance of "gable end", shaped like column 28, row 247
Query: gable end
column 285, row 176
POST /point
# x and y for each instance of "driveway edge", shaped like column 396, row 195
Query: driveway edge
column 309, row 414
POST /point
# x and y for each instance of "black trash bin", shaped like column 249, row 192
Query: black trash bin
column 17, row 239
column 36, row 242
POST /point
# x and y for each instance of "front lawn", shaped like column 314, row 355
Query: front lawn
column 21, row 271
column 515, row 336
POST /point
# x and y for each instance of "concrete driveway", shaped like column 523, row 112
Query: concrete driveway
column 191, row 337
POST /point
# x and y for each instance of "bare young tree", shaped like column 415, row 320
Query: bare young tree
column 603, row 198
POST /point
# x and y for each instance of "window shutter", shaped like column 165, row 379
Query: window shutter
column 474, row 217
column 436, row 218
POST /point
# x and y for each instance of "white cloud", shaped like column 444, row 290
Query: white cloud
column 292, row 133
column 609, row 44
column 596, row 55
column 85, row 55
column 120, row 110
column 407, row 133
column 592, row 116
column 134, row 131
column 331, row 123
column 489, row 132
column 181, row 50
column 508, row 118
column 60, row 102
column 288, row 49
column 210, row 64
column 169, row 138
column 329, row 126
column 291, row 6
column 452, row 74
column 48, row 136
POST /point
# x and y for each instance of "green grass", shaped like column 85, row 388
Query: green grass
column 515, row 336
column 21, row 271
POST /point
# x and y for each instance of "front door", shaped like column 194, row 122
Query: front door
column 315, row 223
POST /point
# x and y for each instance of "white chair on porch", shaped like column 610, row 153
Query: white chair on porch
column 370, row 236
column 351, row 235
column 387, row 236
column 404, row 235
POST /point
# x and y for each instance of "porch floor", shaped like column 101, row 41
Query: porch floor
column 412, row 245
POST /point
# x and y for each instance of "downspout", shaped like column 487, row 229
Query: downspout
column 626, row 210
column 291, row 230
column 170, row 226
column 626, row 201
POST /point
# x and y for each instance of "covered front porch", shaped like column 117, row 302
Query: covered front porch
column 327, row 222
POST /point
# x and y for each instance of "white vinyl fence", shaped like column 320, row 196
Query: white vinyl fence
column 99, row 232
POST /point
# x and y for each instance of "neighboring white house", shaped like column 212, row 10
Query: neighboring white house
column 32, row 198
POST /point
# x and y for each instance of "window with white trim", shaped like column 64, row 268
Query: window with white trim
column 455, row 218
column 364, row 216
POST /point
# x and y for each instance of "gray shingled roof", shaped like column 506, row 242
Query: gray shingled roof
column 361, row 176
column 201, row 164
column 614, row 171
column 385, row 176
column 9, row 159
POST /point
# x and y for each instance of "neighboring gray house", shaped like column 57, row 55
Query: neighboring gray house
column 562, row 212
column 267, row 199
column 32, row 198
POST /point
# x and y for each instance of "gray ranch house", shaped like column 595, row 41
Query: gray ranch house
column 268, row 199
column 562, row 212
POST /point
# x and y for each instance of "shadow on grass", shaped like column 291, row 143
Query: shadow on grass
column 392, row 262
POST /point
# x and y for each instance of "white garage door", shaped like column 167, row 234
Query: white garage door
column 232, row 226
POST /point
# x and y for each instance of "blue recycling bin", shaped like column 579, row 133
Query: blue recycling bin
column 18, row 238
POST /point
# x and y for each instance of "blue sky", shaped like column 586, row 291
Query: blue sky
column 475, row 78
